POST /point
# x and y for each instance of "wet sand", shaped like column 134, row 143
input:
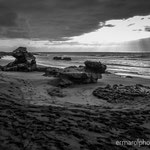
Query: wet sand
column 32, row 119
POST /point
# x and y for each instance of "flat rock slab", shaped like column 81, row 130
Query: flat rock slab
column 120, row 93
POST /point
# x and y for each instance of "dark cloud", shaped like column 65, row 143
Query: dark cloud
column 16, row 34
column 54, row 19
column 8, row 19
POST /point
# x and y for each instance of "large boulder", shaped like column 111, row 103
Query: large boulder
column 69, row 78
column 93, row 66
column 24, row 61
column 22, row 56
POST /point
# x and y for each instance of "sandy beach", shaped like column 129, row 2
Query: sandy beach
column 74, row 75
column 32, row 119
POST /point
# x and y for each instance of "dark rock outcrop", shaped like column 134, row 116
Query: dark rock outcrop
column 24, row 61
column 74, row 76
column 62, row 58
column 77, row 75
column 122, row 94
column 96, row 67
column 80, row 77
column 67, row 58
column 57, row 58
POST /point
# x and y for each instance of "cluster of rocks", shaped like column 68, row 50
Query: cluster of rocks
column 120, row 93
column 62, row 58
column 24, row 61
column 89, row 73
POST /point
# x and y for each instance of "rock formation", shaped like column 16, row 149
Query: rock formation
column 24, row 61
column 69, row 78
column 67, row 58
column 57, row 58
column 96, row 67
column 62, row 58
column 121, row 93
column 77, row 75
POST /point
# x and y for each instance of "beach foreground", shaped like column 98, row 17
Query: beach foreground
column 33, row 119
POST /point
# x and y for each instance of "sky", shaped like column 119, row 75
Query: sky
column 75, row 25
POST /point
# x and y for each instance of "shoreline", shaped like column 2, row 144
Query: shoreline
column 112, row 70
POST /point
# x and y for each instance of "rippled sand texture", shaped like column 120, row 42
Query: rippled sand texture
column 31, row 119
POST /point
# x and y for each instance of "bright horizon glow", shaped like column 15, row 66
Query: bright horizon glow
column 117, row 31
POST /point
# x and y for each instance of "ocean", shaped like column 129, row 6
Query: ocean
column 126, row 64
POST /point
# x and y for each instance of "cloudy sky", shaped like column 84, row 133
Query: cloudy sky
column 75, row 24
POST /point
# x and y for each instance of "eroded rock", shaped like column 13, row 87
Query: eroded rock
column 120, row 93
column 24, row 61
column 96, row 67
column 77, row 75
